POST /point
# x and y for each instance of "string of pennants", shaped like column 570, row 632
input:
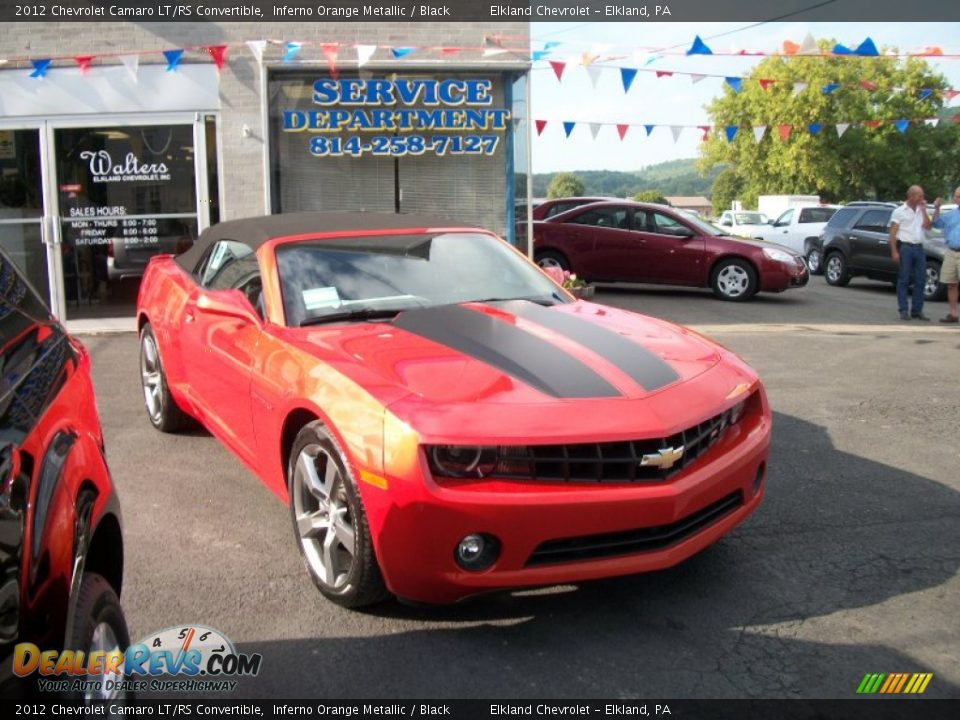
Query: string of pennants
column 784, row 131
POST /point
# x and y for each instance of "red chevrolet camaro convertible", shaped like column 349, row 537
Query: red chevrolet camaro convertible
column 442, row 418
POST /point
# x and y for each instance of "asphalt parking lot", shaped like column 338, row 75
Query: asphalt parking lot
column 850, row 566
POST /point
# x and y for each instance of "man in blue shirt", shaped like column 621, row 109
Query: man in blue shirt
column 950, row 271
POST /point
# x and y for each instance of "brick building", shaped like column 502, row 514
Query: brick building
column 105, row 165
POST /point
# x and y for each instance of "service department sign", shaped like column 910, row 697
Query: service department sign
column 399, row 117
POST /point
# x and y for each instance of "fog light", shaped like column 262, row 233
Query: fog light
column 477, row 552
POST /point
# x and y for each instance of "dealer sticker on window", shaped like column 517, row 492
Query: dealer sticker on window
column 321, row 297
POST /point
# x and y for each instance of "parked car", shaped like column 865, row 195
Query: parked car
column 743, row 223
column 856, row 243
column 61, row 546
column 549, row 208
column 443, row 418
column 642, row 242
column 798, row 225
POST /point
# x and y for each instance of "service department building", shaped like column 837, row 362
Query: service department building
column 119, row 141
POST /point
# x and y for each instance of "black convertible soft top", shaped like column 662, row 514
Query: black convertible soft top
column 255, row 231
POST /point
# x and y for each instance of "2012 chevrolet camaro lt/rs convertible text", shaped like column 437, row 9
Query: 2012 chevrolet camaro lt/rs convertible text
column 443, row 418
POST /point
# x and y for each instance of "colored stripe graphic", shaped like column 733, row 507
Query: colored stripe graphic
column 894, row 683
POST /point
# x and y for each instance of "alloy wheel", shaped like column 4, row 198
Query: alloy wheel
column 834, row 269
column 549, row 262
column 152, row 380
column 104, row 641
column 813, row 261
column 932, row 282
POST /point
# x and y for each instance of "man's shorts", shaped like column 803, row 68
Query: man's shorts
column 950, row 272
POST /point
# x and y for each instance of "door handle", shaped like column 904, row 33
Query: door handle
column 883, row 242
column 188, row 315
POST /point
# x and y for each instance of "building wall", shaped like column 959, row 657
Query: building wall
column 242, row 173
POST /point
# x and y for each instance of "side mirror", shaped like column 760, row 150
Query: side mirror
column 726, row 223
column 229, row 303
column 684, row 232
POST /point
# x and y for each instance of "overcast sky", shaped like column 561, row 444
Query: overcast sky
column 675, row 100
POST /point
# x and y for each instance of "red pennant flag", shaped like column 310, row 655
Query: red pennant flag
column 790, row 47
column 330, row 52
column 541, row 124
column 705, row 129
column 950, row 94
column 448, row 51
column 956, row 118
column 218, row 53
column 664, row 73
column 83, row 61
column 872, row 123
column 867, row 85
column 784, row 132
column 766, row 83
column 622, row 130
column 558, row 68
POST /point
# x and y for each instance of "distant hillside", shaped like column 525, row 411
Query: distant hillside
column 677, row 177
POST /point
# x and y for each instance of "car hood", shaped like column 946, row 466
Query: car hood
column 742, row 243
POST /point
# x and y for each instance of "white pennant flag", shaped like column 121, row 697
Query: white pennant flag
column 897, row 91
column 364, row 53
column 809, row 46
column 131, row 63
column 494, row 51
column 842, row 128
column 594, row 129
column 932, row 122
column 758, row 132
column 257, row 47
column 676, row 130
column 799, row 87
column 696, row 78
column 593, row 71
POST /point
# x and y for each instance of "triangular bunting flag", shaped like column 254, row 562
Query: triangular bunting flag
column 766, row 83
column 218, row 53
column 814, row 128
column 731, row 131
column 132, row 64
column 867, row 85
column 538, row 55
column 705, row 130
column 790, row 47
column 494, row 51
column 40, row 67
column 897, row 90
column 627, row 76
column 399, row 52
column 450, row 51
column 83, row 61
column 784, row 131
column 925, row 93
column 558, row 68
column 622, row 130
column 291, row 50
column 541, row 124
column 676, row 130
column 173, row 58
column 932, row 122
column 829, row 88
column 842, row 128
column 867, row 49
column 734, row 82
column 330, row 52
column 758, row 132
column 664, row 73
column 364, row 53
column 593, row 72
column 694, row 79
column 649, row 129
column 841, row 50
column 809, row 46
column 568, row 127
column 950, row 94
column 901, row 125
column 871, row 123
column 595, row 129
column 799, row 87
column 256, row 48
column 588, row 59
column 699, row 47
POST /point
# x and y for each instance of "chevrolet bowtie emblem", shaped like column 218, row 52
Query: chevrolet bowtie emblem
column 664, row 458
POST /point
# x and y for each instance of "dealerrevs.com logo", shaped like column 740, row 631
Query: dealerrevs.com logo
column 186, row 658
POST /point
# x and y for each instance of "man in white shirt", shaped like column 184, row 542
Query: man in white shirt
column 908, row 224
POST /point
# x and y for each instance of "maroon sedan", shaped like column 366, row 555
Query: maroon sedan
column 640, row 242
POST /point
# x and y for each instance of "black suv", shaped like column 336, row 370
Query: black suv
column 856, row 242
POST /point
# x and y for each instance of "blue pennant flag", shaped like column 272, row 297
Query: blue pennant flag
column 699, row 47
column 814, row 128
column 539, row 54
column 173, row 58
column 829, row 88
column 734, row 82
column 925, row 93
column 839, row 49
column 731, row 132
column 627, row 75
column 867, row 49
column 568, row 128
column 40, row 67
column 291, row 50
column 649, row 129
column 400, row 52
column 901, row 125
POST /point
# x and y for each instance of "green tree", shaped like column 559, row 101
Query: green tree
column 650, row 196
column 726, row 188
column 565, row 184
column 866, row 162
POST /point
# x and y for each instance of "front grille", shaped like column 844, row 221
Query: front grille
column 613, row 462
column 629, row 542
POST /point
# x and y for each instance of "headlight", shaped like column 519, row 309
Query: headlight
column 463, row 461
column 779, row 255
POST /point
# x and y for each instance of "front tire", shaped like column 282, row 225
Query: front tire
column 734, row 280
column 162, row 410
column 549, row 258
column 99, row 625
column 835, row 270
column 330, row 523
column 933, row 289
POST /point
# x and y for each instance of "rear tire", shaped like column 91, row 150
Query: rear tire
column 813, row 262
column 835, row 269
column 550, row 258
column 162, row 410
column 734, row 279
column 99, row 625
column 934, row 290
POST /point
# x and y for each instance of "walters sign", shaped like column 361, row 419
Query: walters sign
column 400, row 117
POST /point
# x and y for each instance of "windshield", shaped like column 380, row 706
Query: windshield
column 751, row 219
column 397, row 272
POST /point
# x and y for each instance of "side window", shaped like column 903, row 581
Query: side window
column 874, row 221
column 666, row 225
column 784, row 219
column 643, row 221
column 843, row 217
column 559, row 208
column 615, row 218
column 229, row 265
column 816, row 214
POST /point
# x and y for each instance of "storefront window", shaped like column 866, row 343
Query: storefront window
column 21, row 204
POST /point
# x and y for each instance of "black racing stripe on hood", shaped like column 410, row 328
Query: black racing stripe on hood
column 646, row 368
column 506, row 347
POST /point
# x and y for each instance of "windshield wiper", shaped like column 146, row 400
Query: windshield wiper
column 356, row 313
column 546, row 301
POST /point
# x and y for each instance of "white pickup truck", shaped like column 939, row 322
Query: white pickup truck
column 797, row 224
column 743, row 223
